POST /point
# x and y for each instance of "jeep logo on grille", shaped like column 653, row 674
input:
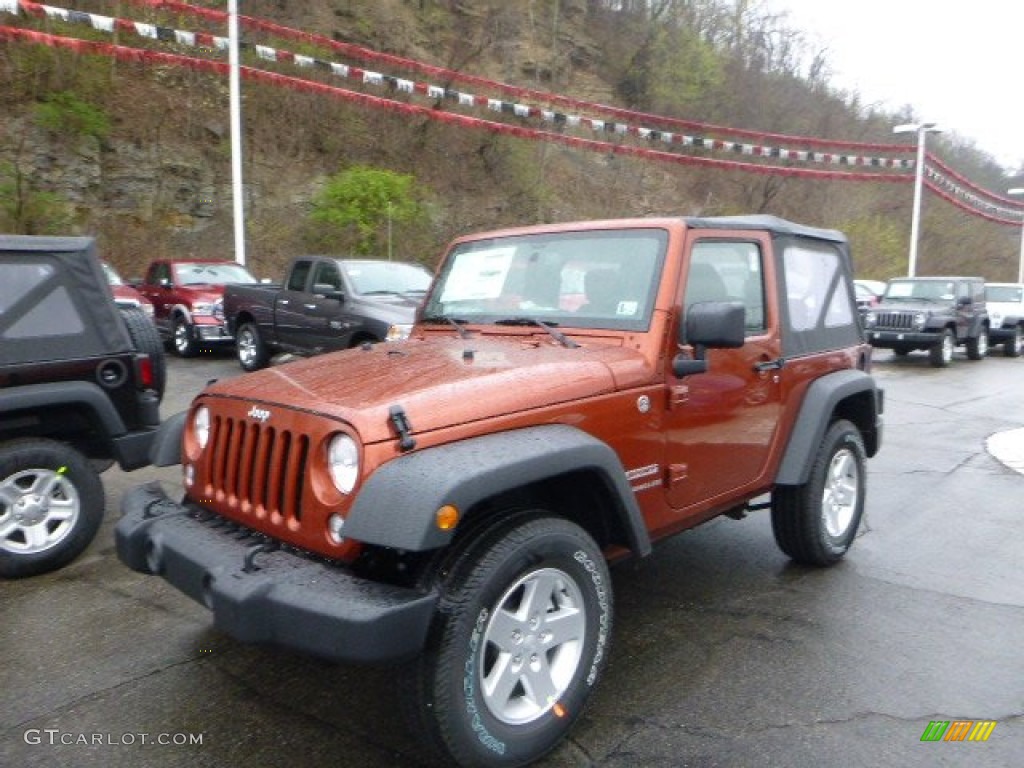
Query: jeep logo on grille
column 262, row 415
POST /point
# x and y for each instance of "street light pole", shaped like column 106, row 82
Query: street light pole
column 235, row 97
column 921, row 129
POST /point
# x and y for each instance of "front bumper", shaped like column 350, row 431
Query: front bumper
column 1004, row 333
column 889, row 339
column 211, row 330
column 261, row 595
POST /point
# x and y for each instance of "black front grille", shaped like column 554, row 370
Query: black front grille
column 901, row 321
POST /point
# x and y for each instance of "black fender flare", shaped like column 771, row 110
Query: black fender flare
column 165, row 450
column 79, row 393
column 978, row 324
column 396, row 505
column 823, row 398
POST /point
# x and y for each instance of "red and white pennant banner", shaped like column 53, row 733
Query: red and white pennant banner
column 945, row 184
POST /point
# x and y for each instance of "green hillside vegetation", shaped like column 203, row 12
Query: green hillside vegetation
column 138, row 154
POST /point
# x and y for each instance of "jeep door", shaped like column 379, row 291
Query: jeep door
column 721, row 425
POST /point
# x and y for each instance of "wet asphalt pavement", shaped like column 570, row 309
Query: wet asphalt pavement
column 724, row 653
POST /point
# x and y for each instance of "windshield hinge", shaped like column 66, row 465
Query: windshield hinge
column 402, row 426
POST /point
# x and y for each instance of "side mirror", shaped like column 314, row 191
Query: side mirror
column 709, row 325
column 328, row 291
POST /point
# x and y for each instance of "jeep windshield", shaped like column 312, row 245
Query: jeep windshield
column 592, row 279
column 1006, row 294
column 920, row 290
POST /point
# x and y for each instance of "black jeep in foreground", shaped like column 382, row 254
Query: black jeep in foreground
column 80, row 389
column 935, row 314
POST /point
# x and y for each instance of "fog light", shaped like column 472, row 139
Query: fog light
column 334, row 525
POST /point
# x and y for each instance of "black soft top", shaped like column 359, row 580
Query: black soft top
column 55, row 302
column 762, row 222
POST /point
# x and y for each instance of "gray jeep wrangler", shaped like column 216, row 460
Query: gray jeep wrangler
column 935, row 314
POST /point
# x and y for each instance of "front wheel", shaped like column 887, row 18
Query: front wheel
column 51, row 505
column 815, row 523
column 941, row 353
column 1014, row 345
column 185, row 343
column 977, row 347
column 519, row 640
column 252, row 352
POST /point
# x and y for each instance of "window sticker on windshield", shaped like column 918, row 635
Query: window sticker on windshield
column 627, row 308
column 478, row 275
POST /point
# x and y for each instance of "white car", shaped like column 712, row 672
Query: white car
column 1005, row 303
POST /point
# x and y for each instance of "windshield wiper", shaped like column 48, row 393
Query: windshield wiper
column 455, row 322
column 558, row 336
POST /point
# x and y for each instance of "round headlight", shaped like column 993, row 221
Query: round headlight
column 201, row 426
column 343, row 461
column 919, row 320
column 870, row 318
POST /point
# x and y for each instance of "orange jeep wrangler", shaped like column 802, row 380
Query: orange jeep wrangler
column 570, row 393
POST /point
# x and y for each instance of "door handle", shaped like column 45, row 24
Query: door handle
column 309, row 306
column 770, row 365
column 282, row 302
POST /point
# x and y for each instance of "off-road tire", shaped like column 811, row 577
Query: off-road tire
column 901, row 351
column 183, row 338
column 1012, row 347
column 146, row 339
column 252, row 352
column 527, row 604
column 941, row 353
column 51, row 505
column 977, row 346
column 815, row 523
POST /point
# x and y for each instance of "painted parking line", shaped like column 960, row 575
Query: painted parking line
column 1008, row 448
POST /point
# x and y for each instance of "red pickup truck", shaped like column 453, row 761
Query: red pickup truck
column 188, row 301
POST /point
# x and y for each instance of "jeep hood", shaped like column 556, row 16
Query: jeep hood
column 389, row 308
column 204, row 292
column 913, row 305
column 441, row 382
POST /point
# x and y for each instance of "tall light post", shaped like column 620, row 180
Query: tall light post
column 1020, row 266
column 235, row 97
column 920, row 129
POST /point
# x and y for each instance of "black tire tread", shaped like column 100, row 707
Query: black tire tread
column 796, row 509
column 146, row 339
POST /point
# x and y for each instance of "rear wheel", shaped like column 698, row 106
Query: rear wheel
column 252, row 352
column 941, row 353
column 520, row 638
column 977, row 347
column 51, row 505
column 815, row 523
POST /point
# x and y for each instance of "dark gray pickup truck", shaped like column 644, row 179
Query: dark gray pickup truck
column 325, row 304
